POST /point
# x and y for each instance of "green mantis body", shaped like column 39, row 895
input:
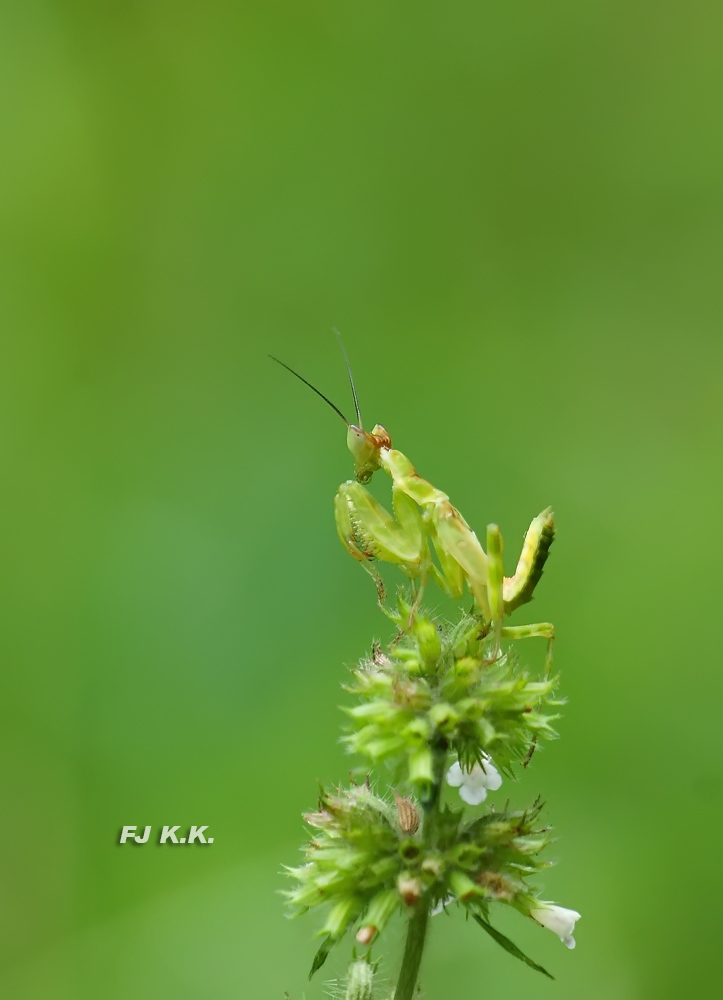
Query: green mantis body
column 424, row 518
column 424, row 522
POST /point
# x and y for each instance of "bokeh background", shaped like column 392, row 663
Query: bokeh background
column 513, row 214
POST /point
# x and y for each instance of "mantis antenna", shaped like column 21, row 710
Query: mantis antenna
column 351, row 377
column 314, row 389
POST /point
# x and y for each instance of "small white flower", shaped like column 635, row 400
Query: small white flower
column 441, row 905
column 557, row 919
column 473, row 785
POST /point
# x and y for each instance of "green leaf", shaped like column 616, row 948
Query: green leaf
column 322, row 954
column 510, row 946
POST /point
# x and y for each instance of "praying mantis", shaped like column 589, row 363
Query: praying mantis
column 424, row 522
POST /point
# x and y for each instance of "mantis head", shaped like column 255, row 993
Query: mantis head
column 365, row 447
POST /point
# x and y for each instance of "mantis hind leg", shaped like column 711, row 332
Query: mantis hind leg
column 540, row 630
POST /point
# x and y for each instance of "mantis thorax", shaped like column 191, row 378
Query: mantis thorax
column 365, row 447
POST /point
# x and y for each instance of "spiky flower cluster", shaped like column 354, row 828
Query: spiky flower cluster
column 450, row 687
column 369, row 858
column 440, row 700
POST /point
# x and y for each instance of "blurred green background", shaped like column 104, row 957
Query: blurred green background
column 513, row 214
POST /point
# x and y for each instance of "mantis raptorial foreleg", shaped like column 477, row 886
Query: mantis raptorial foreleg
column 355, row 544
column 369, row 532
column 366, row 527
column 423, row 514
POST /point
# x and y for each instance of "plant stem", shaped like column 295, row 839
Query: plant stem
column 416, row 934
column 417, row 926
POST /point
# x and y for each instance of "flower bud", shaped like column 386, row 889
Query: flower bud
column 405, row 609
column 462, row 886
column 409, row 888
column 433, row 865
column 461, row 678
column 557, row 919
column 430, row 646
column 320, row 820
column 467, row 668
column 359, row 980
column 340, row 916
column 498, row 831
column 421, row 767
column 418, row 731
column 411, row 661
column 377, row 915
column 444, row 717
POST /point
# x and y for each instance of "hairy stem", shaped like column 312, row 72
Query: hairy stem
column 417, row 926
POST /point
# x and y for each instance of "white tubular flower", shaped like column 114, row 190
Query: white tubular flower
column 473, row 785
column 441, row 906
column 557, row 919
